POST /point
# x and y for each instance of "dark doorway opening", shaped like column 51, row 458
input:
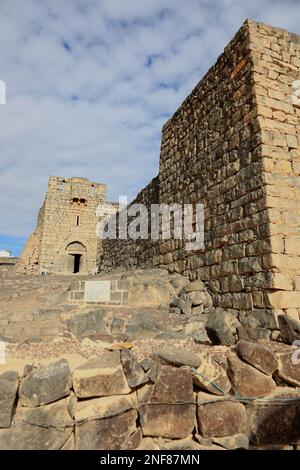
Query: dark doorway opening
column 76, row 263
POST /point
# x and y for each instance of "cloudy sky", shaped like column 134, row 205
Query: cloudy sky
column 91, row 82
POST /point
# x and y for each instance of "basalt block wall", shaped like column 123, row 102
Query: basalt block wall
column 66, row 227
column 234, row 146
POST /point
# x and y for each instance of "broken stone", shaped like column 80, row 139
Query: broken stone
column 185, row 306
column 165, row 416
column 181, row 444
column 142, row 326
column 289, row 370
column 247, row 381
column 9, row 382
column 100, row 377
column 218, row 331
column 148, row 444
column 107, row 429
column 117, row 326
column 220, row 417
column 41, row 428
column 88, row 323
column 178, row 356
column 199, row 298
column 277, row 420
column 196, row 285
column 258, row 355
column 46, row 384
column 238, row 441
column 289, row 329
column 211, row 377
column 134, row 372
column 146, row 363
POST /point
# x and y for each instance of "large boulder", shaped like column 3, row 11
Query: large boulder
column 9, row 382
column 247, row 381
column 289, row 370
column 277, row 420
column 220, row 417
column 88, row 323
column 142, row 326
column 289, row 329
column 165, row 415
column 105, row 423
column 134, row 372
column 218, row 330
column 258, row 355
column 212, row 377
column 46, row 384
column 100, row 377
column 177, row 356
column 42, row 428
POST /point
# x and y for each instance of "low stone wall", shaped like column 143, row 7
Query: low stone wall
column 174, row 400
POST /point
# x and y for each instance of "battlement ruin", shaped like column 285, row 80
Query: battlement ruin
column 234, row 146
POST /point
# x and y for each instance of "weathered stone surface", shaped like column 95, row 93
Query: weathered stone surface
column 277, row 421
column 109, row 433
column 148, row 444
column 289, row 329
column 46, row 384
column 212, row 377
column 199, row 298
column 134, row 372
column 219, row 417
column 247, row 381
column 142, row 326
column 258, row 355
column 167, row 417
column 178, row 356
column 196, row 285
column 117, row 326
column 100, row 377
column 182, row 444
column 238, row 441
column 41, row 428
column 288, row 371
column 104, row 407
column 9, row 382
column 218, row 331
column 197, row 331
column 88, row 323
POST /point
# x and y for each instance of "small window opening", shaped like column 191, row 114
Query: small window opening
column 76, row 263
column 77, row 220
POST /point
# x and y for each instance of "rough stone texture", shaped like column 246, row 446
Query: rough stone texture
column 247, row 381
column 258, row 355
column 166, row 417
column 109, row 433
column 9, row 382
column 178, row 356
column 220, row 417
column 289, row 329
column 238, row 441
column 87, row 323
column 43, row 428
column 287, row 371
column 66, row 227
column 134, row 372
column 100, row 377
column 275, row 422
column 211, row 377
column 46, row 384
column 218, row 331
column 142, row 326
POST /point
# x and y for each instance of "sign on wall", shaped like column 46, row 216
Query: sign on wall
column 97, row 291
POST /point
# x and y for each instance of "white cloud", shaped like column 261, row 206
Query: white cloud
column 90, row 83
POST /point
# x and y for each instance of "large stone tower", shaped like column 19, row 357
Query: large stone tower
column 65, row 240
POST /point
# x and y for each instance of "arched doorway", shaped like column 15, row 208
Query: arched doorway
column 75, row 254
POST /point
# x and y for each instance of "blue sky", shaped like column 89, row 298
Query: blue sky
column 91, row 82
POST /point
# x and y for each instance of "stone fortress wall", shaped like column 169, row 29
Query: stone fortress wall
column 66, row 229
column 234, row 145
